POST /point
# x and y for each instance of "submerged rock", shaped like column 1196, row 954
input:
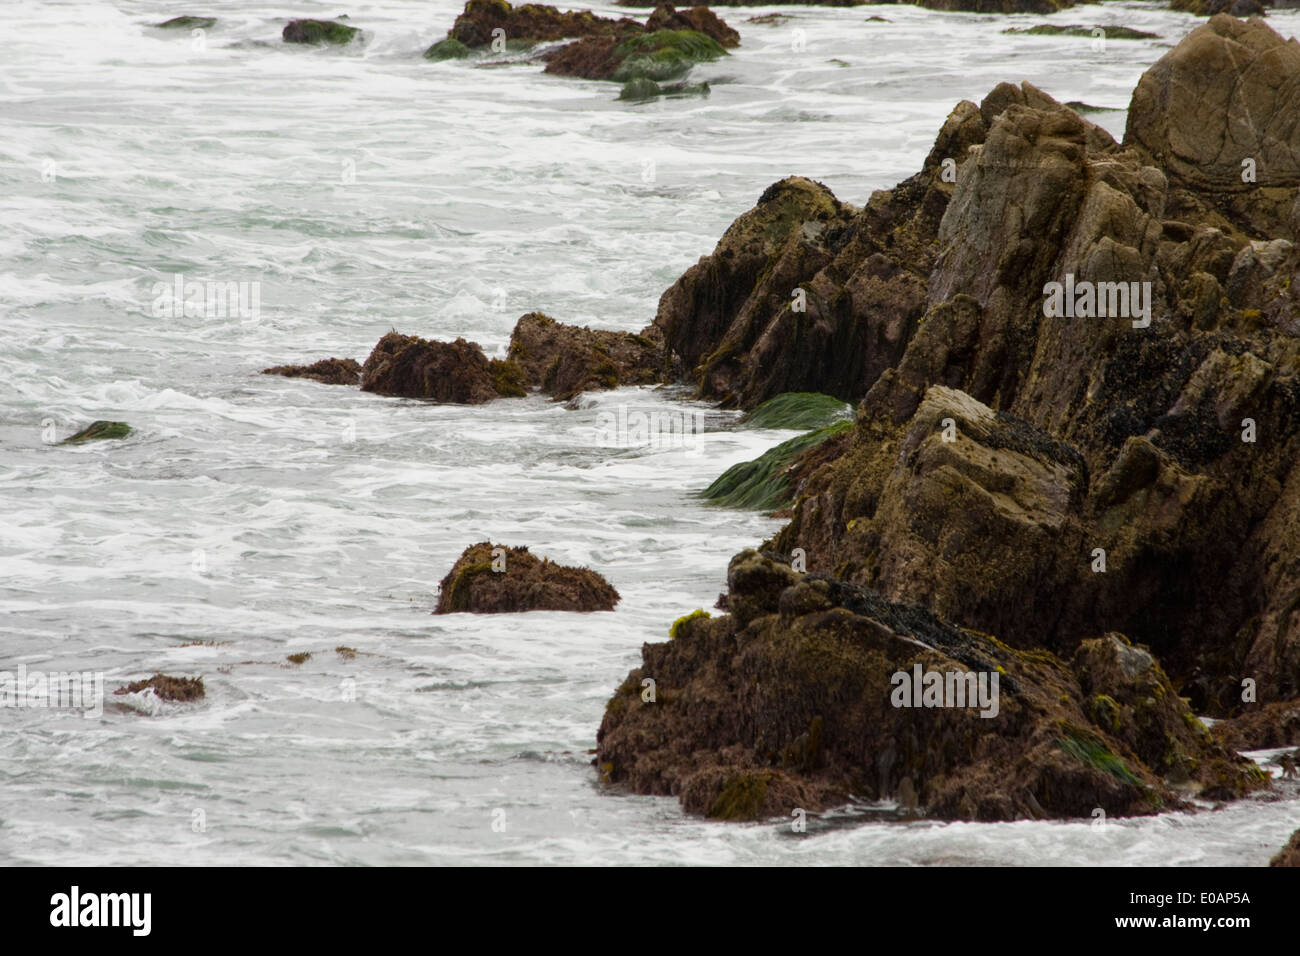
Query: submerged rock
column 99, row 431
column 1077, row 30
column 447, row 48
column 494, row 579
column 804, row 694
column 183, row 689
column 187, row 23
column 318, row 32
column 330, row 371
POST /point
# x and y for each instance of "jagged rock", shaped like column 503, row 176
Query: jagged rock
column 790, row 701
column 1261, row 727
column 492, row 579
column 456, row 372
column 330, row 371
column 563, row 360
column 1289, row 855
column 1078, row 369
column 317, row 32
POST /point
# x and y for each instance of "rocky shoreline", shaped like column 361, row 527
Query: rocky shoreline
column 1072, row 473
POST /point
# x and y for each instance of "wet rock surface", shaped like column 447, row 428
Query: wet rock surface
column 1078, row 430
column 494, row 579
column 330, row 371
column 790, row 701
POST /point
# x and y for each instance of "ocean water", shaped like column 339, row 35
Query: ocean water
column 251, row 517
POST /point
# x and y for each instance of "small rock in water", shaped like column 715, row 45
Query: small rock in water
column 97, row 431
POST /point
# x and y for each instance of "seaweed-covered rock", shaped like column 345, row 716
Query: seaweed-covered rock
column 768, row 482
column 531, row 23
column 1261, row 727
column 563, row 360
column 493, row 579
column 1289, row 855
column 448, row 48
column 699, row 18
column 183, row 689
column 798, row 410
column 99, row 431
column 317, row 32
column 812, row 690
column 330, row 371
column 658, row 56
column 411, row 367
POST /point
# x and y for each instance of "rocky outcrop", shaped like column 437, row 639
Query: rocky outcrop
column 1077, row 368
column 330, row 371
column 563, row 360
column 812, row 689
column 1136, row 425
column 454, row 372
column 317, row 32
column 640, row 56
column 531, row 23
column 1261, row 728
column 493, row 579
column 1289, row 855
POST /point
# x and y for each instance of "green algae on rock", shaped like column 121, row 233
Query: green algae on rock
column 448, row 48
column 764, row 483
column 494, row 579
column 317, row 32
column 99, row 431
column 797, row 410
